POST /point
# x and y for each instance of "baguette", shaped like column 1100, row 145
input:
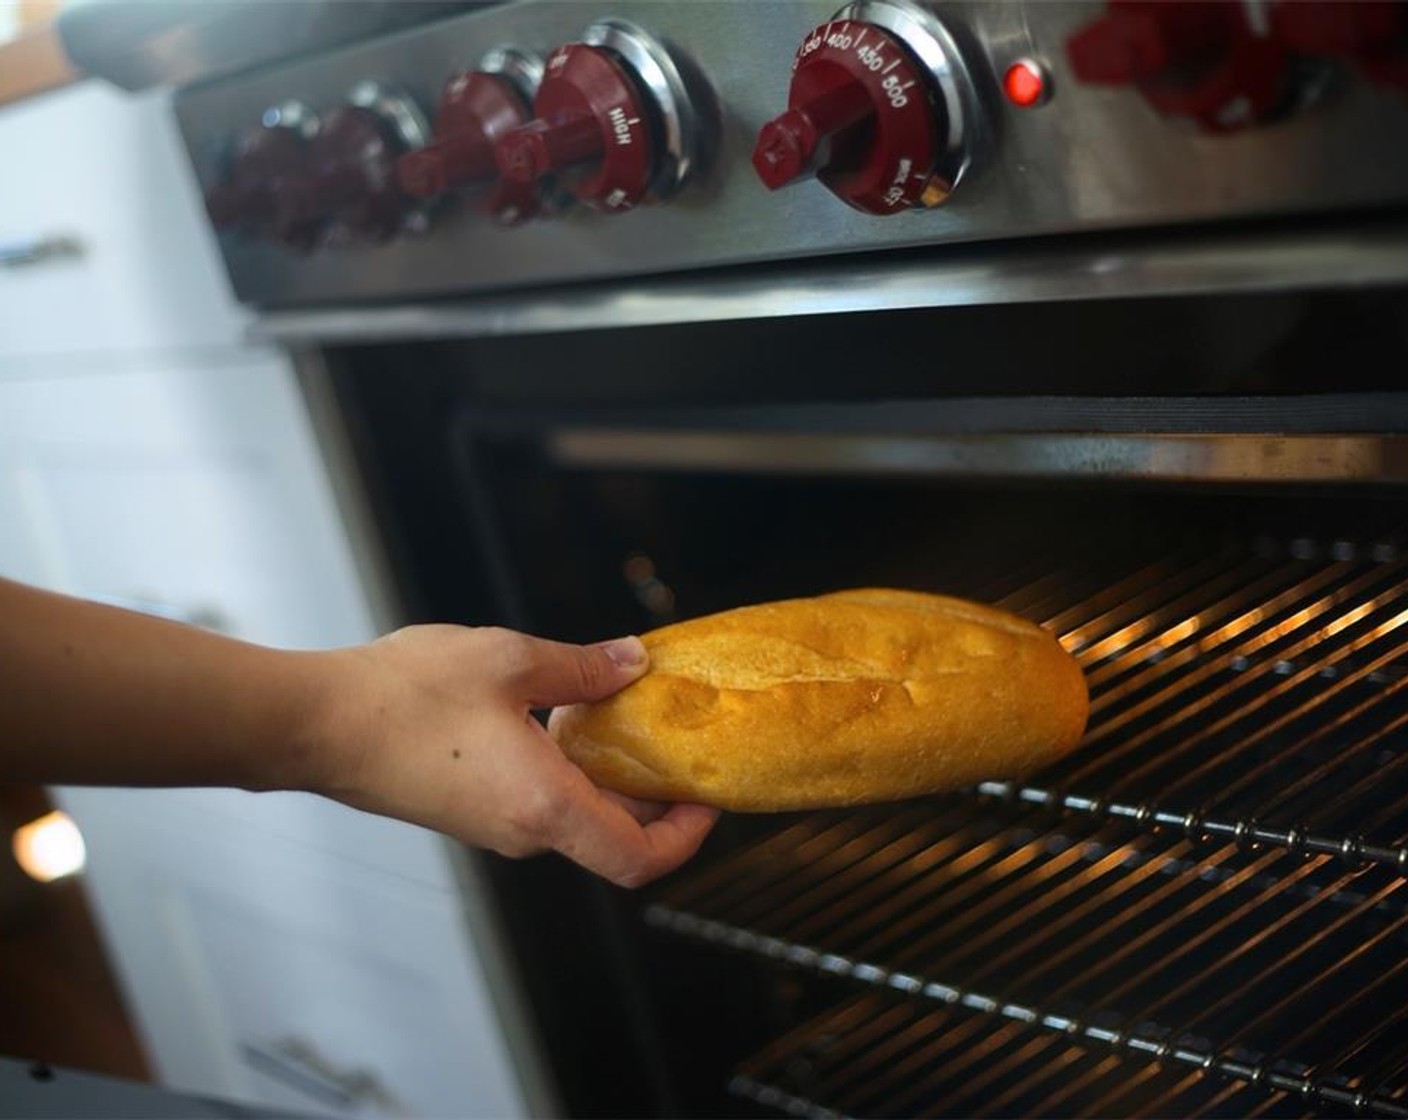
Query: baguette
column 853, row 697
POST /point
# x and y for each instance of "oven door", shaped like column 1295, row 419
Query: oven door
column 1201, row 911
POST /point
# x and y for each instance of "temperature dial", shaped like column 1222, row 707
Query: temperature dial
column 477, row 108
column 614, row 122
column 1206, row 61
column 881, row 109
column 254, row 195
column 352, row 185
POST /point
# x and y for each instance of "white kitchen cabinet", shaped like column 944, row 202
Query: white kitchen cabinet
column 197, row 493
column 277, row 948
column 290, row 976
column 260, row 938
column 195, row 487
column 105, row 168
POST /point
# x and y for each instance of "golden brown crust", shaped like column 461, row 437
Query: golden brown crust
column 865, row 695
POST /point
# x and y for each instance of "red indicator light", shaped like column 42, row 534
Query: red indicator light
column 1025, row 84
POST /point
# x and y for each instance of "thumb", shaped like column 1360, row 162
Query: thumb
column 559, row 673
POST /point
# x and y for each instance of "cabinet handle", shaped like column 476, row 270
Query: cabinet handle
column 34, row 250
column 301, row 1066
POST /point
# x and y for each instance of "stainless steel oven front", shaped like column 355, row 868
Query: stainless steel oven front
column 1096, row 311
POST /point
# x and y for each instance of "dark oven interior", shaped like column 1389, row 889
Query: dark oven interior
column 1201, row 912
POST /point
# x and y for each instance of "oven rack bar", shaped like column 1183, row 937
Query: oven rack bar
column 1254, row 687
column 1265, row 1073
column 1353, row 850
column 1369, row 459
column 875, row 1055
column 770, row 1096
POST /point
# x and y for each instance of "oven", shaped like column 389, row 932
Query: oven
column 1095, row 312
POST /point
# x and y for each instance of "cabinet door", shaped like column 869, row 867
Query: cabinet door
column 196, row 493
column 194, row 485
column 295, row 979
column 278, row 948
column 107, row 171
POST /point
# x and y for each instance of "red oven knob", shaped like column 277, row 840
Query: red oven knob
column 881, row 110
column 1370, row 34
column 476, row 108
column 252, row 195
column 1206, row 61
column 352, row 187
column 614, row 122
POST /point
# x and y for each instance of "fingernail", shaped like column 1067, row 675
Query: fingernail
column 628, row 653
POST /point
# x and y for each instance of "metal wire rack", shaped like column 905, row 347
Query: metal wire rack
column 872, row 1056
column 1214, row 883
column 1226, row 703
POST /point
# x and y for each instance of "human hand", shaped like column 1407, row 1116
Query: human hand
column 433, row 725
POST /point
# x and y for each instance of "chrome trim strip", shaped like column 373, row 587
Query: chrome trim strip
column 652, row 64
column 933, row 44
column 394, row 106
column 292, row 114
column 522, row 69
column 1202, row 458
column 959, row 277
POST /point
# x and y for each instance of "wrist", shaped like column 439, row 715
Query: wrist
column 308, row 717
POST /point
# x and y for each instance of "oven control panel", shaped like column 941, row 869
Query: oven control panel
column 544, row 142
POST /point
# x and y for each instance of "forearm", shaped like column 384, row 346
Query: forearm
column 93, row 695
